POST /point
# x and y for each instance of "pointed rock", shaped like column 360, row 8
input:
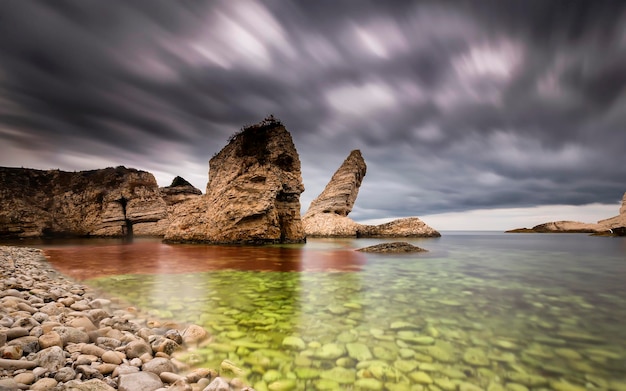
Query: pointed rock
column 328, row 214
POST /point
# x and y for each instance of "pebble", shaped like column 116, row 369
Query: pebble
column 55, row 335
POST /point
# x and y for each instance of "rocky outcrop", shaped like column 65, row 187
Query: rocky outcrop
column 108, row 202
column 394, row 248
column 615, row 225
column 561, row 226
column 179, row 191
column 328, row 213
column 409, row 227
column 253, row 194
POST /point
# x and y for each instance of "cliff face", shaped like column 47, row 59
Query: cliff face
column 328, row 213
column 108, row 202
column 253, row 194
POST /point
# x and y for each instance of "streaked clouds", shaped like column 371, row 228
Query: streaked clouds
column 456, row 106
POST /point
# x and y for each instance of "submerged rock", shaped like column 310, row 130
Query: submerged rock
column 394, row 247
column 253, row 194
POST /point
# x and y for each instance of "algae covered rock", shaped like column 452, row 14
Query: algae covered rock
column 395, row 247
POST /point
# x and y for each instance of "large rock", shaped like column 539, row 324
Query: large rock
column 328, row 213
column 107, row 202
column 253, row 194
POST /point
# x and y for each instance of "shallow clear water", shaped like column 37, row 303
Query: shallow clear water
column 541, row 311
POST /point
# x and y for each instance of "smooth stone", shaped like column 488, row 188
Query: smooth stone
column 307, row 373
column 406, row 365
column 421, row 377
column 325, row 385
column 339, row 375
column 526, row 379
column 106, row 368
column 359, row 351
column 14, row 332
column 8, row 384
column 282, row 385
column 194, row 334
column 140, row 381
column 445, row 384
column 11, row 352
column 50, row 339
column 368, row 384
column 170, row 377
column 136, row 349
column 476, row 357
column 111, row 357
column 562, row 385
column 401, row 325
column 330, row 351
column 25, row 378
column 515, row 387
column 465, row 386
column 292, row 342
column 44, row 384
column 180, row 385
column 89, row 385
column 218, row 384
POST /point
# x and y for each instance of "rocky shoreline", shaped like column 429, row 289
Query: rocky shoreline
column 56, row 334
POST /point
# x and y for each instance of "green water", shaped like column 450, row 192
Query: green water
column 495, row 312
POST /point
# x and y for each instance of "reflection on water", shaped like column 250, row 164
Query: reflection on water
column 153, row 257
column 488, row 311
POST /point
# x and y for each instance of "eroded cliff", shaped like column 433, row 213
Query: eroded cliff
column 108, row 202
column 253, row 194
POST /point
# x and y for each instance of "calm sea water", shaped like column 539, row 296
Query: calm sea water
column 480, row 309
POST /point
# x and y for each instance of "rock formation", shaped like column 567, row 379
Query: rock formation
column 108, row 202
column 400, row 228
column 616, row 224
column 562, row 226
column 328, row 213
column 179, row 191
column 394, row 248
column 253, row 194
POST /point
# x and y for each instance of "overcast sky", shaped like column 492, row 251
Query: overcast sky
column 469, row 114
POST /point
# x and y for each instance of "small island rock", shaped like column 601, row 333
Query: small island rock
column 393, row 247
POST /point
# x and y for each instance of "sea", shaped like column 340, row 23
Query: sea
column 477, row 311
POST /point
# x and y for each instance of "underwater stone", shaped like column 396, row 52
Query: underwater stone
column 421, row 377
column 329, row 351
column 282, row 385
column 368, row 384
column 339, row 375
column 476, row 357
column 292, row 342
column 359, row 351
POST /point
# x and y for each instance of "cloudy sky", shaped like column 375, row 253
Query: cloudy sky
column 470, row 114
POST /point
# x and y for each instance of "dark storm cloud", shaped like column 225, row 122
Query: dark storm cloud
column 455, row 105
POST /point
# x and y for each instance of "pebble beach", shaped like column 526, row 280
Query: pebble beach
column 57, row 334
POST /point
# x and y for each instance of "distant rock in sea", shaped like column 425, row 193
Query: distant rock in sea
column 328, row 213
column 107, row 202
column 615, row 225
column 561, row 226
column 253, row 194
